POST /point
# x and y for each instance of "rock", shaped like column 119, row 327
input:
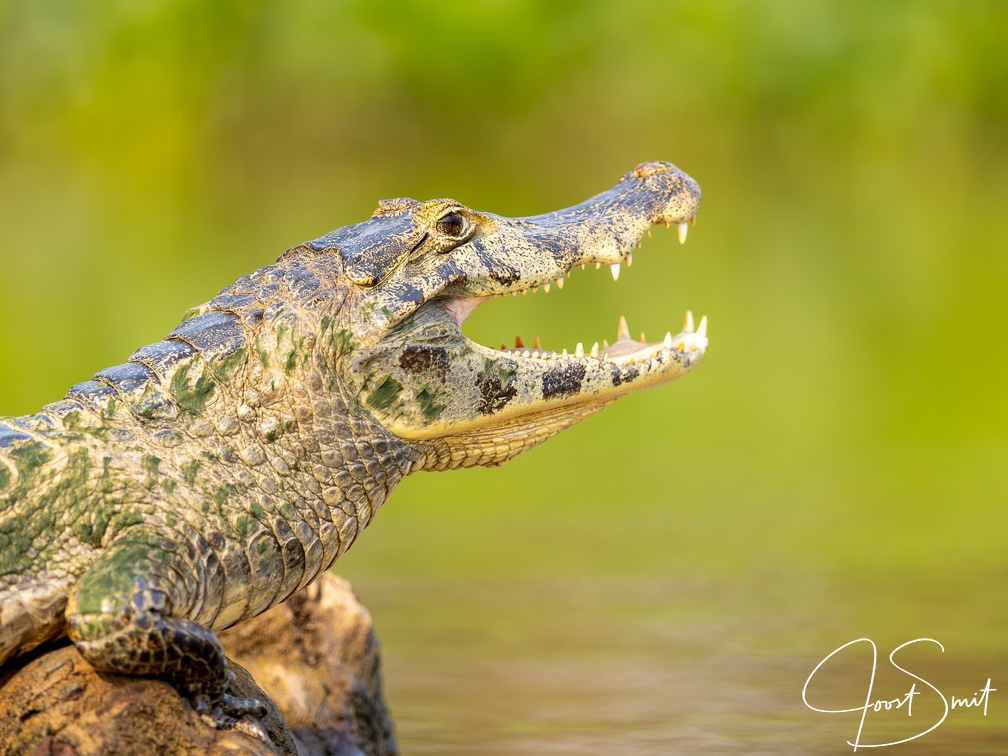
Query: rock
column 317, row 654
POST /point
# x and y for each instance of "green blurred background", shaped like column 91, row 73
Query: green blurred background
column 665, row 576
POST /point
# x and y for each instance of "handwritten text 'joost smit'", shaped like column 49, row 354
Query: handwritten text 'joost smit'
column 979, row 699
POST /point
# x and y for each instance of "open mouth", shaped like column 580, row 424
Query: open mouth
column 624, row 351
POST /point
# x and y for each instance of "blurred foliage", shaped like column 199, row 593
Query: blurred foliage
column 846, row 433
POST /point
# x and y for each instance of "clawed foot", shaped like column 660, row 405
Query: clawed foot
column 232, row 713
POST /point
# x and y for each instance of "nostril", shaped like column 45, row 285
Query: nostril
column 652, row 168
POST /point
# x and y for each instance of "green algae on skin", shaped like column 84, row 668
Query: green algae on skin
column 427, row 400
column 224, row 367
column 113, row 574
column 386, row 393
column 191, row 397
column 342, row 342
column 189, row 471
column 29, row 457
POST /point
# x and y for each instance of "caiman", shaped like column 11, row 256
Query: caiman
column 218, row 471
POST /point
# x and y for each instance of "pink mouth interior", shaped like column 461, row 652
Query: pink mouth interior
column 462, row 307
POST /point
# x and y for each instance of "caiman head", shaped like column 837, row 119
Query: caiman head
column 416, row 270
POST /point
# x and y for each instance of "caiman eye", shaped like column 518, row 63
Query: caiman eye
column 452, row 224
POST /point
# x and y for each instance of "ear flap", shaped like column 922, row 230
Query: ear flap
column 379, row 245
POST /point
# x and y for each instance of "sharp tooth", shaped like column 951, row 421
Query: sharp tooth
column 615, row 271
column 546, row 287
column 503, row 346
column 594, row 350
column 692, row 221
column 598, row 265
column 668, row 340
column 525, row 293
column 649, row 233
column 701, row 330
column 535, row 289
column 605, row 357
column 582, row 266
column 559, row 282
column 666, row 224
column 605, row 343
column 642, row 339
column 683, row 228
column 579, row 350
column 519, row 344
column 535, row 343
column 688, row 323
column 629, row 259
column 565, row 354
column 622, row 330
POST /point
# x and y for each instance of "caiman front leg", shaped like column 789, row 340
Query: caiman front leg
column 122, row 617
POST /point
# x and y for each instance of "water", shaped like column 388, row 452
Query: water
column 654, row 665
column 680, row 626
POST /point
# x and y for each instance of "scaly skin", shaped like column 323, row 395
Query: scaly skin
column 224, row 468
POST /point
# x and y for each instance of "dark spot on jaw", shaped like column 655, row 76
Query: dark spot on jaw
column 625, row 375
column 424, row 359
column 494, row 393
column 562, row 381
column 505, row 278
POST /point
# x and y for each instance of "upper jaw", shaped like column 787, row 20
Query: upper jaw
column 510, row 255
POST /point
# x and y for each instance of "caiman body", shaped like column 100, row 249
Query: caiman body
column 221, row 469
